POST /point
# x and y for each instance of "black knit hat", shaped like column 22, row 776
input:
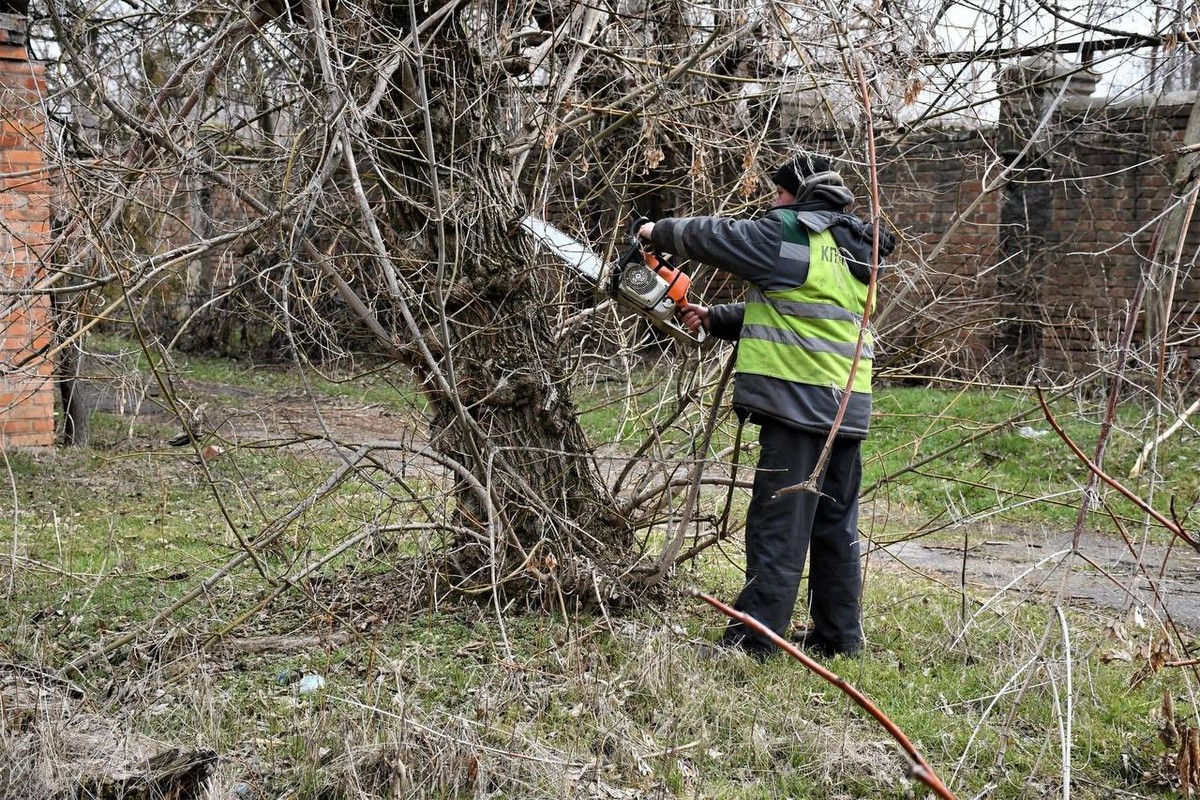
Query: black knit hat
column 805, row 171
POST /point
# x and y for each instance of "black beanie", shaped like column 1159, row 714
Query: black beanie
column 791, row 175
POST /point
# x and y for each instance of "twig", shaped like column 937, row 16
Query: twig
column 287, row 644
column 1140, row 464
column 1065, row 723
column 1059, row 556
column 918, row 767
column 1012, row 166
column 231, row 34
column 1187, row 662
column 987, row 712
column 648, row 93
column 284, row 584
column 974, row 437
column 1171, row 526
column 666, row 559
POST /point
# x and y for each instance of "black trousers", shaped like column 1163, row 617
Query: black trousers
column 780, row 532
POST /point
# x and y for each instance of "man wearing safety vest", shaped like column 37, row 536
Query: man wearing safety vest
column 808, row 263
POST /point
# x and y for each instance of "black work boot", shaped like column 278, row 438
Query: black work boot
column 815, row 644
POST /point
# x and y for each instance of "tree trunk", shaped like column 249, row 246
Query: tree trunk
column 527, row 488
column 74, row 394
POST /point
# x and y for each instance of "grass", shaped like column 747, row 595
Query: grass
column 449, row 703
column 1020, row 471
column 578, row 708
column 951, row 457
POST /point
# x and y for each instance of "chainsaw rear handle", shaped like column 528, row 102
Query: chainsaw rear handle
column 678, row 332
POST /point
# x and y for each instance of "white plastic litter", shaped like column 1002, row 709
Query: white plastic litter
column 310, row 684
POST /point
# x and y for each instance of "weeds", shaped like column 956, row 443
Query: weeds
column 425, row 696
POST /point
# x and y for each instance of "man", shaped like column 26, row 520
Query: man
column 808, row 263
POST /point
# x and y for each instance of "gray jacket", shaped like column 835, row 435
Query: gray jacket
column 750, row 249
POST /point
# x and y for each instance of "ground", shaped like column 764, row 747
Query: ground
column 265, row 660
column 1106, row 572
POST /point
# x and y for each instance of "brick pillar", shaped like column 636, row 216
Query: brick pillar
column 26, row 387
column 1027, row 221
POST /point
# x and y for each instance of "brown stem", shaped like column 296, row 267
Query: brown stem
column 918, row 767
column 1172, row 526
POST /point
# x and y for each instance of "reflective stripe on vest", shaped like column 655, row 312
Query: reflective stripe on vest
column 808, row 334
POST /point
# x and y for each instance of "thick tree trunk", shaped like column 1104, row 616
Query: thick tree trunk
column 527, row 487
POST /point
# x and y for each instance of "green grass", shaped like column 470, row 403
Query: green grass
column 364, row 384
column 938, row 457
column 452, row 701
column 107, row 536
column 1018, row 472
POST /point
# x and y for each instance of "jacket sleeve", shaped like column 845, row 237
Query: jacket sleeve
column 747, row 248
column 725, row 321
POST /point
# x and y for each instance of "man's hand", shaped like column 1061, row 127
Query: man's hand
column 646, row 231
column 695, row 316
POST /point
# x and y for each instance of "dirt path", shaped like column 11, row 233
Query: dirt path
column 1103, row 574
column 241, row 416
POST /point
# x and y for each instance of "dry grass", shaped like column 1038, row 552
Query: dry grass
column 430, row 696
column 433, row 706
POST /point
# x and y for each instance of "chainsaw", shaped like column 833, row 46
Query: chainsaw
column 641, row 281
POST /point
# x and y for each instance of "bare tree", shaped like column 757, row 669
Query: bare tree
column 326, row 177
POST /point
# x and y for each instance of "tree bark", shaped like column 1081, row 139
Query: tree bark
column 526, row 485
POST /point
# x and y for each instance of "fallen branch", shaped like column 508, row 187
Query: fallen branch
column 918, row 767
column 55, row 747
column 287, row 644
column 1187, row 662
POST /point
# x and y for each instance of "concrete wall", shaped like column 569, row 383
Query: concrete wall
column 26, row 389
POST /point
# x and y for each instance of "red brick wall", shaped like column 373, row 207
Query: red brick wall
column 1110, row 172
column 1106, row 213
column 26, row 390
column 936, row 304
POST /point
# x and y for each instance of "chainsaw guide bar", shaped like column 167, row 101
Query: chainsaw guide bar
column 639, row 282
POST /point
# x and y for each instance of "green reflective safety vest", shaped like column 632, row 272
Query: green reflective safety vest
column 808, row 334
